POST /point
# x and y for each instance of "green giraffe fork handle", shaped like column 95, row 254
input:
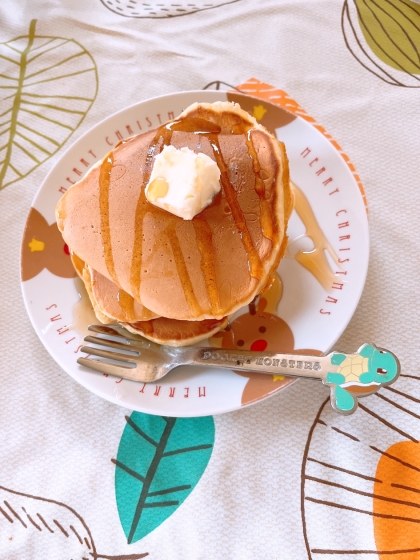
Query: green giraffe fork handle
column 359, row 374
column 349, row 376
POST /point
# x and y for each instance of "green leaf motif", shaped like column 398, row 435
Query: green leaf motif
column 392, row 31
column 159, row 462
column 47, row 86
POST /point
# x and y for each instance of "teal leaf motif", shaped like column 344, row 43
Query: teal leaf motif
column 159, row 462
column 47, row 86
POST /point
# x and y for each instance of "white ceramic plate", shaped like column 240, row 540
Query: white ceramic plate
column 311, row 316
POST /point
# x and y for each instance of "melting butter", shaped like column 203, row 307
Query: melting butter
column 158, row 188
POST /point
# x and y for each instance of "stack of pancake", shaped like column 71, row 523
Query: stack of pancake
column 171, row 280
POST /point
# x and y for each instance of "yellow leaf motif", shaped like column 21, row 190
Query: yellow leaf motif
column 258, row 112
column 36, row 245
column 385, row 37
column 47, row 86
column 278, row 377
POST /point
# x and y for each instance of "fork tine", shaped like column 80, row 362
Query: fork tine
column 104, row 367
column 110, row 343
column 107, row 354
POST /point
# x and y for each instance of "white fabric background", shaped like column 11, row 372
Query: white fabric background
column 56, row 438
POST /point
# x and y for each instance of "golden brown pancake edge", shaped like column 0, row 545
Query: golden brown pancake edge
column 163, row 301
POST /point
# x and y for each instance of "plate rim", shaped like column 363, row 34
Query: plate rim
column 93, row 129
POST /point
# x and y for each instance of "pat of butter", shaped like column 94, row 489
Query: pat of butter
column 183, row 182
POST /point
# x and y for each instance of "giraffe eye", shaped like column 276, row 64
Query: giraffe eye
column 240, row 343
column 262, row 329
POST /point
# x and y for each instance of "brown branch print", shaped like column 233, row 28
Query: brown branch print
column 50, row 524
column 362, row 477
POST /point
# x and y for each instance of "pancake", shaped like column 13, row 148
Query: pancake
column 102, row 317
column 203, row 268
column 114, row 302
column 78, row 264
column 160, row 330
column 177, row 333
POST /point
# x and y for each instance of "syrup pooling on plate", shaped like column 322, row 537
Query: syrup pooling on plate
column 315, row 260
column 203, row 232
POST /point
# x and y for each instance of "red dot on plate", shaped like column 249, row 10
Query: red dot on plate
column 259, row 345
column 66, row 249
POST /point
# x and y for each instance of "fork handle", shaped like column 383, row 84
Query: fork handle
column 347, row 375
column 269, row 363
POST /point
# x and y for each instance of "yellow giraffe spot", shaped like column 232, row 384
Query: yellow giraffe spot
column 258, row 112
column 36, row 245
column 278, row 377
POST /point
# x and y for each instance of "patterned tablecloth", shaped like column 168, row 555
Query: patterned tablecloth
column 286, row 478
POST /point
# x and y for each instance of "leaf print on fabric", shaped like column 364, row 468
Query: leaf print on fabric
column 361, row 476
column 33, row 524
column 162, row 9
column 385, row 37
column 47, row 86
column 160, row 460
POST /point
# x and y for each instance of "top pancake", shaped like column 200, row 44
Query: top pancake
column 203, row 268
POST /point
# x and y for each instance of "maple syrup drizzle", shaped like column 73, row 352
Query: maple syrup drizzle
column 163, row 133
column 315, row 261
column 255, row 266
column 204, row 237
column 141, row 208
column 252, row 306
column 266, row 218
column 127, row 305
column 104, row 182
column 183, row 270
column 202, row 127
column 207, row 128
column 145, row 326
column 78, row 264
